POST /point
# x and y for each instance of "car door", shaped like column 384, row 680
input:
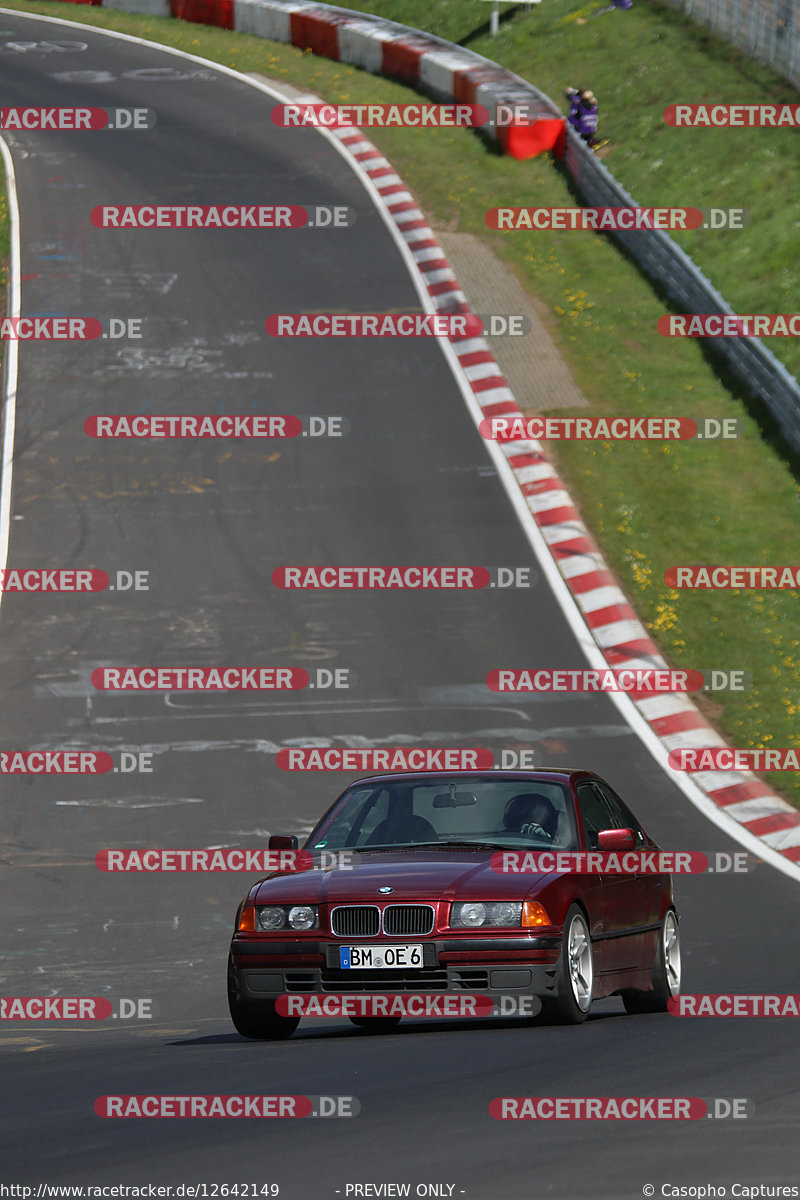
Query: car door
column 625, row 898
column 652, row 886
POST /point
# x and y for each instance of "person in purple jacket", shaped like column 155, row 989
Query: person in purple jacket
column 583, row 113
column 615, row 4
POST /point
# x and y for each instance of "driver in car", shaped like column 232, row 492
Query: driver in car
column 532, row 815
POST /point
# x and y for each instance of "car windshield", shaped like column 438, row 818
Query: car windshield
column 453, row 813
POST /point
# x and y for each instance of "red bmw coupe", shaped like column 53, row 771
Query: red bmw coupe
column 425, row 909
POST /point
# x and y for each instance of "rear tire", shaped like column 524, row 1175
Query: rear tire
column 666, row 972
column 575, row 977
column 257, row 1020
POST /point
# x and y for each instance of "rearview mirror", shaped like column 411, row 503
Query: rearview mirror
column 616, row 839
column 454, row 799
column 282, row 841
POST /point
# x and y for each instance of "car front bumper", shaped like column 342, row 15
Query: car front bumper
column 523, row 966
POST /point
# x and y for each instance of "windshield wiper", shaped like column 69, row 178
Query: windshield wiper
column 434, row 845
column 469, row 845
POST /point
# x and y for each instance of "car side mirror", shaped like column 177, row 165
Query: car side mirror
column 616, row 839
column 282, row 841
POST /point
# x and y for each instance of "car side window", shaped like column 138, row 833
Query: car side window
column 595, row 812
column 623, row 817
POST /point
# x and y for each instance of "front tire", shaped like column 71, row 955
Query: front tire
column 666, row 972
column 258, row 1021
column 575, row 977
column 376, row 1024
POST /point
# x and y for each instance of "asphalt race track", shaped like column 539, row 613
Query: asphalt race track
column 411, row 482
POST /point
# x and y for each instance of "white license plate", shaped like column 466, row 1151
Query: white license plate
column 379, row 957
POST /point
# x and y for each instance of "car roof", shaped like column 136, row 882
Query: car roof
column 544, row 774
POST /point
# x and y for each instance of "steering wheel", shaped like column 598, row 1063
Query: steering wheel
column 533, row 830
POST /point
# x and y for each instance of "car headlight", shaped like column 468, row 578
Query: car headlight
column 474, row 913
column 274, row 917
column 303, row 916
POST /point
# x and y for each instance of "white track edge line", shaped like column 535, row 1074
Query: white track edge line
column 10, row 370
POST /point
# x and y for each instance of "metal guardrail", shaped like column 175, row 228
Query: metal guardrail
column 664, row 262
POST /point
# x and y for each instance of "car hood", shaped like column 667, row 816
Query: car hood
column 417, row 875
